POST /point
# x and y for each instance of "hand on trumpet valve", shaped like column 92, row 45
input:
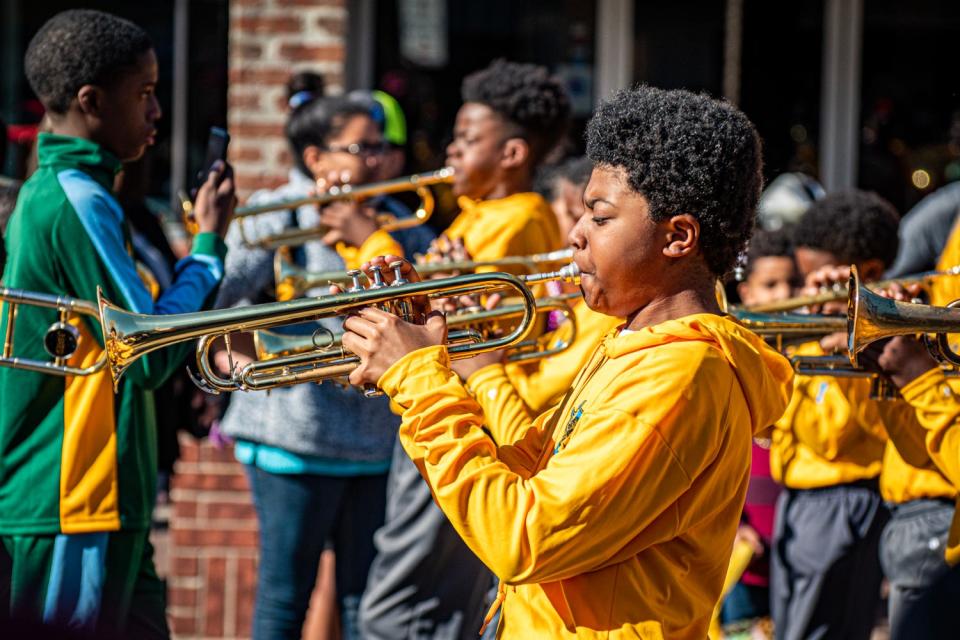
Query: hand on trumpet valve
column 825, row 279
column 443, row 249
column 380, row 337
column 216, row 200
column 466, row 367
column 350, row 222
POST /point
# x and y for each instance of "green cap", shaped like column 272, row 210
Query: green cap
column 395, row 124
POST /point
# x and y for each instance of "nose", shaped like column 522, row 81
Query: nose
column 155, row 111
column 577, row 237
column 452, row 149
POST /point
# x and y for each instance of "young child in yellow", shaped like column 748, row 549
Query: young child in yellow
column 425, row 581
column 827, row 450
column 614, row 514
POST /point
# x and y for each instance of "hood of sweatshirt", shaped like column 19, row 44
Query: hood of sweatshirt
column 765, row 376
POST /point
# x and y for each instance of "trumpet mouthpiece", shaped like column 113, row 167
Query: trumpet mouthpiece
column 570, row 273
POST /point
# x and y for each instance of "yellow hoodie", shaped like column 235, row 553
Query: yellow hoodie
column 831, row 433
column 938, row 412
column 378, row 243
column 513, row 395
column 614, row 514
column 908, row 472
column 518, row 225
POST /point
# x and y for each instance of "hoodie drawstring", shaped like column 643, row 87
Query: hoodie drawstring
column 498, row 601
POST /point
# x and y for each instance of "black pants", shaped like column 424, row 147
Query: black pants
column 924, row 589
column 425, row 583
column 825, row 570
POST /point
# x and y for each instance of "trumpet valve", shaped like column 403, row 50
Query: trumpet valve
column 378, row 282
column 354, row 275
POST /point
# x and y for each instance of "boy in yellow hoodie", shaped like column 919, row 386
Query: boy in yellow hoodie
column 827, row 451
column 613, row 514
column 425, row 581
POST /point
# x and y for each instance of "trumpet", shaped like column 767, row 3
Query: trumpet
column 465, row 325
column 840, row 292
column 418, row 182
column 128, row 336
column 782, row 329
column 871, row 317
column 60, row 340
column 293, row 281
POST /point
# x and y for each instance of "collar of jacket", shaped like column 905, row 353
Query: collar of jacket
column 78, row 153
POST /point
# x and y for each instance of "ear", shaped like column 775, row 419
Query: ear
column 871, row 269
column 683, row 236
column 90, row 99
column 515, row 153
column 311, row 158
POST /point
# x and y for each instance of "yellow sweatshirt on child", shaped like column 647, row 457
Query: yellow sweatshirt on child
column 831, row 432
column 513, row 395
column 614, row 514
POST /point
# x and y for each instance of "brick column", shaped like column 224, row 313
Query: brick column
column 269, row 40
column 212, row 545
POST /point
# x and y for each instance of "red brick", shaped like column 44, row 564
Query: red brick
column 183, row 597
column 309, row 3
column 256, row 129
column 182, row 625
column 246, row 591
column 244, row 100
column 250, row 182
column 261, row 77
column 189, row 450
column 213, row 482
column 283, row 157
column 210, row 453
column 246, row 51
column 266, row 24
column 186, row 567
column 229, row 511
column 183, row 509
column 244, row 538
column 216, row 579
column 333, row 26
column 327, row 53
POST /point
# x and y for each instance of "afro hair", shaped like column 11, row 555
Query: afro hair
column 80, row 47
column 768, row 244
column 685, row 153
column 855, row 226
column 526, row 96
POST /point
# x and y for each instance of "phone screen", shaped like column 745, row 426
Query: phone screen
column 216, row 150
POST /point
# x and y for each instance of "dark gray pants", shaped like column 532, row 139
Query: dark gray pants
column 825, row 570
column 924, row 589
column 424, row 583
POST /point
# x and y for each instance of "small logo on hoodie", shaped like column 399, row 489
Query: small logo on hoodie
column 575, row 415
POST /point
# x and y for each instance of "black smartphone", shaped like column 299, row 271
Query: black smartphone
column 216, row 150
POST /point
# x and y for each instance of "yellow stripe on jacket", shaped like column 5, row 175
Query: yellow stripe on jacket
column 89, row 499
column 378, row 243
column 513, row 395
column 831, row 432
column 614, row 515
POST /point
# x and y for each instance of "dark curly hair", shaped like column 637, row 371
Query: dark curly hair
column 80, row 47
column 574, row 170
column 853, row 225
column 768, row 244
column 685, row 153
column 527, row 97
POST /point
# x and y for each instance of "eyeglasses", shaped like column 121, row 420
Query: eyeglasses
column 365, row 149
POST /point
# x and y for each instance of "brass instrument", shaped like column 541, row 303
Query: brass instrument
column 293, row 281
column 128, row 336
column 60, row 340
column 419, row 182
column 782, row 329
column 871, row 317
column 839, row 292
column 467, row 324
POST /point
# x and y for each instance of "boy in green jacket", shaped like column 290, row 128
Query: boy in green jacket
column 78, row 463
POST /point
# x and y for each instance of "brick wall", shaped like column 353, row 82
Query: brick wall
column 269, row 40
column 212, row 552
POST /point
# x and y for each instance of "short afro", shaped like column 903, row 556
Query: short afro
column 526, row 96
column 768, row 244
column 855, row 226
column 80, row 47
column 685, row 153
